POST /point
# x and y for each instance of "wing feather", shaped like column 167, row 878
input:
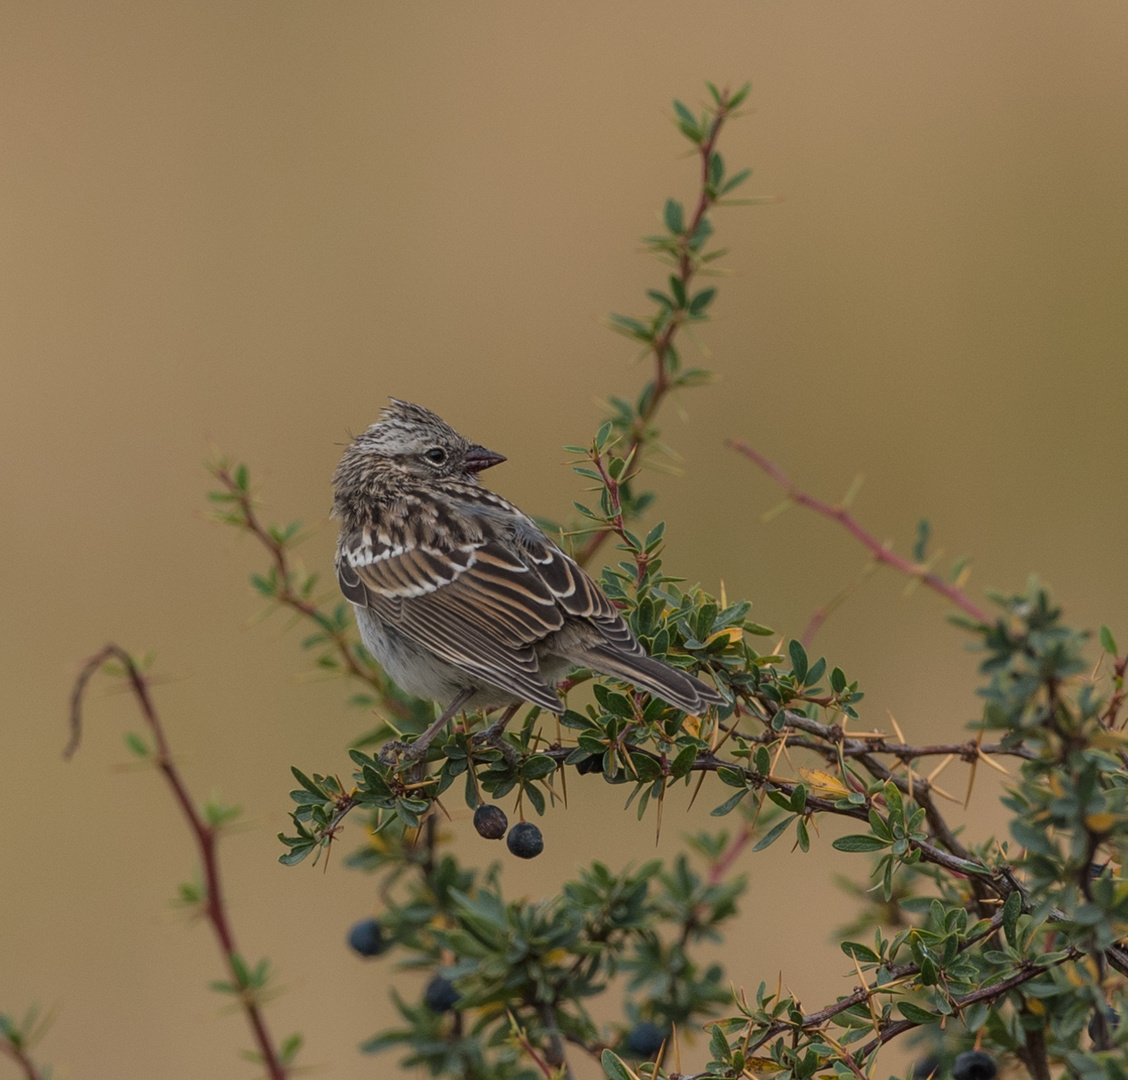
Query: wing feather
column 488, row 596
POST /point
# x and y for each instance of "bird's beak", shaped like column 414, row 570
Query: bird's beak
column 478, row 458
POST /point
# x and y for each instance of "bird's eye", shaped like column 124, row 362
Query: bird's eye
column 436, row 455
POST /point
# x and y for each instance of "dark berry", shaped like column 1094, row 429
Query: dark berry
column 590, row 765
column 974, row 1065
column 1112, row 1022
column 525, row 840
column 367, row 939
column 645, row 1039
column 926, row 1069
column 490, row 821
column 440, row 995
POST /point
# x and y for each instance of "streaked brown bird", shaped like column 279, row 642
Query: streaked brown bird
column 458, row 594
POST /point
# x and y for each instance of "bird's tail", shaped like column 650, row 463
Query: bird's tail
column 676, row 687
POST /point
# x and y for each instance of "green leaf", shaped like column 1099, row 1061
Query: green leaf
column 1011, row 911
column 674, row 216
column 539, row 765
column 916, row 1014
column 1108, row 642
column 701, row 301
column 735, row 181
column 613, row 1067
column 728, row 805
column 799, row 662
column 773, row 834
column 859, row 842
column 534, row 795
column 781, row 800
column 837, row 680
column 291, row 1045
column 716, row 168
column 740, row 95
column 683, row 763
column 894, row 801
column 307, row 783
column 862, row 953
column 687, row 123
column 623, row 324
column 645, row 767
column 802, row 835
column 718, row 1044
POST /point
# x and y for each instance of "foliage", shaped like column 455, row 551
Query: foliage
column 1009, row 946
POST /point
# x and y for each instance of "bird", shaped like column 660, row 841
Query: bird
column 459, row 595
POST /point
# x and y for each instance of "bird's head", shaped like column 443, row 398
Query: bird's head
column 407, row 445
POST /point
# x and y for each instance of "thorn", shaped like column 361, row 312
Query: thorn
column 987, row 761
column 970, row 782
column 775, row 511
column 852, row 490
column 940, row 768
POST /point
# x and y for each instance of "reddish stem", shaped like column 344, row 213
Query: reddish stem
column 1117, row 699
column 21, row 1058
column 616, row 523
column 205, row 835
column 289, row 597
column 729, row 856
column 660, row 347
column 880, row 552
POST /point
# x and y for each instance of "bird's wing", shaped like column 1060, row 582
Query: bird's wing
column 613, row 649
column 477, row 604
column 575, row 592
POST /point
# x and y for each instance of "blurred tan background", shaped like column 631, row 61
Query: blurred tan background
column 247, row 224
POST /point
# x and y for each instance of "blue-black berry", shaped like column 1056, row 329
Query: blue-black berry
column 645, row 1039
column 974, row 1065
column 1112, row 1022
column 525, row 840
column 490, row 821
column 367, row 939
column 440, row 995
column 590, row 765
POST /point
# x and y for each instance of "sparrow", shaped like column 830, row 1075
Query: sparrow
column 460, row 596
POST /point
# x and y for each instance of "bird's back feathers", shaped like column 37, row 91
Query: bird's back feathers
column 464, row 574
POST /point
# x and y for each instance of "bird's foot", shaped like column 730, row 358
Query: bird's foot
column 391, row 752
column 397, row 754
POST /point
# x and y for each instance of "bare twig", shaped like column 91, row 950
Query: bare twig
column 20, row 1056
column 896, row 975
column 555, row 1055
column 205, row 834
column 1112, row 710
column 878, row 550
column 984, row 993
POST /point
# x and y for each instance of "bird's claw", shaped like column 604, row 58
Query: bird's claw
column 393, row 753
